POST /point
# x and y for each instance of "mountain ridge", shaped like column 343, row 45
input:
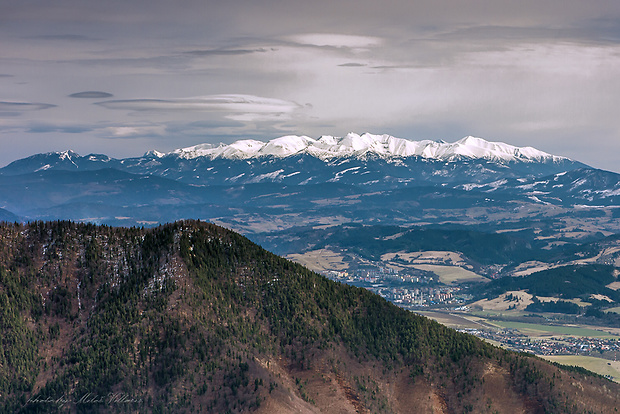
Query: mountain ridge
column 328, row 147
column 357, row 159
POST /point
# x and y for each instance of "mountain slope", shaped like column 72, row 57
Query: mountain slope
column 190, row 316
column 114, row 197
column 6, row 215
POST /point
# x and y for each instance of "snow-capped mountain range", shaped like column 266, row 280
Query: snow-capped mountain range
column 379, row 161
column 305, row 180
column 329, row 147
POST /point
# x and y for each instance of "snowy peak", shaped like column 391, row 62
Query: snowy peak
column 63, row 155
column 286, row 146
column 353, row 145
column 479, row 148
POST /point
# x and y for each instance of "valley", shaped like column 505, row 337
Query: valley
column 443, row 286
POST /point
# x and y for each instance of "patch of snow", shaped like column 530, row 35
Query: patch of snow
column 532, row 185
column 579, row 182
column 497, row 184
column 536, row 199
column 235, row 178
column 610, row 193
column 471, row 186
column 43, row 168
column 347, row 170
column 268, row 176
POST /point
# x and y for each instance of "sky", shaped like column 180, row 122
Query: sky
column 122, row 77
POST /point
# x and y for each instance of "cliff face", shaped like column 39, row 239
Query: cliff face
column 192, row 317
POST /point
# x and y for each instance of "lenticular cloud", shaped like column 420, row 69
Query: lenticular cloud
column 226, row 103
column 91, row 95
column 23, row 106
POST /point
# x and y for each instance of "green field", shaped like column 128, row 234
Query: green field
column 616, row 309
column 534, row 329
column 598, row 365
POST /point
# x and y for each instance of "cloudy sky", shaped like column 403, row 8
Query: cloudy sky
column 121, row 77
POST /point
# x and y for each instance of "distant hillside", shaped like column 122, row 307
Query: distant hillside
column 6, row 215
column 575, row 281
column 481, row 246
column 190, row 317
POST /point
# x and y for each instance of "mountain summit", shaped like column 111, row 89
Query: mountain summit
column 329, row 147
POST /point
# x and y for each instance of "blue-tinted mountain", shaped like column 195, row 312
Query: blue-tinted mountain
column 291, row 181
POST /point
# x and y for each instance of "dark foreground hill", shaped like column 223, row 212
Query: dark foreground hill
column 190, row 317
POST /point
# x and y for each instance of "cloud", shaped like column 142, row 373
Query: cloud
column 6, row 106
column 134, row 131
column 225, row 52
column 66, row 37
column 65, row 129
column 227, row 103
column 336, row 40
column 593, row 32
column 352, row 65
column 91, row 95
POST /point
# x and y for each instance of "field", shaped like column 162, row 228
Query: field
column 452, row 320
column 320, row 260
column 616, row 309
column 533, row 330
column 425, row 257
column 537, row 330
column 452, row 274
column 324, row 259
column 598, row 365
column 501, row 303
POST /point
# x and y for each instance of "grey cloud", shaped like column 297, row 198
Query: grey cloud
column 603, row 30
column 225, row 52
column 66, row 37
column 161, row 62
column 352, row 65
column 23, row 106
column 67, row 129
column 230, row 103
column 591, row 32
column 386, row 67
column 91, row 95
column 5, row 75
column 175, row 127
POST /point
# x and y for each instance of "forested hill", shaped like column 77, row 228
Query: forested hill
column 190, row 317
